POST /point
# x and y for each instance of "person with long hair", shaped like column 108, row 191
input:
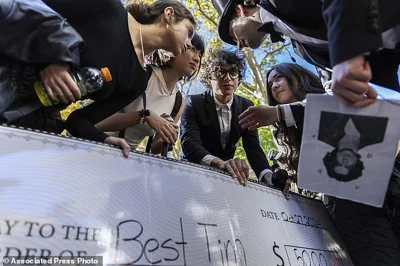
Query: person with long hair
column 119, row 38
column 288, row 83
column 161, row 96
column 351, row 217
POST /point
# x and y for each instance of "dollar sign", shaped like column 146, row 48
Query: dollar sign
column 277, row 247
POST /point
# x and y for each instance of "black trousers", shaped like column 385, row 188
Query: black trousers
column 392, row 203
column 372, row 235
column 367, row 234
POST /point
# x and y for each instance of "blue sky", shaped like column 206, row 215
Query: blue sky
column 284, row 57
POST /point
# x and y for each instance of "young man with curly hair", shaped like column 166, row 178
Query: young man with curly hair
column 210, row 126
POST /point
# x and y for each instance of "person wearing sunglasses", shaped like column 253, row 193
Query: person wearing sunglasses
column 210, row 126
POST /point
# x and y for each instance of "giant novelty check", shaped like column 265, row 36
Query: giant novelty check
column 67, row 197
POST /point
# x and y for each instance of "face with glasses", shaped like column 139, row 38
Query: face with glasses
column 225, row 79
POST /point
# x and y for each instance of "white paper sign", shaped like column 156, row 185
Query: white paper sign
column 349, row 152
column 60, row 197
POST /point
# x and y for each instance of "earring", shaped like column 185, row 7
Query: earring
column 167, row 26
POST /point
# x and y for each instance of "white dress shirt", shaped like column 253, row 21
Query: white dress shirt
column 224, row 114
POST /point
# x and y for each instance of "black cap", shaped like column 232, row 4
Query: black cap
column 225, row 9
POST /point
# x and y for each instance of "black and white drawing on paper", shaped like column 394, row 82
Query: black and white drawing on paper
column 348, row 134
column 348, row 152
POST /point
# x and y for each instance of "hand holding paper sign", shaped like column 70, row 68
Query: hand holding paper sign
column 350, row 82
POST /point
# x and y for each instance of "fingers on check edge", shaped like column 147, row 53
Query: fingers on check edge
column 239, row 167
column 229, row 168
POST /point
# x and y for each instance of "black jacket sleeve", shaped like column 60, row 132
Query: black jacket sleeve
column 32, row 32
column 78, row 11
column 353, row 28
column 81, row 122
column 256, row 156
column 298, row 114
column 190, row 133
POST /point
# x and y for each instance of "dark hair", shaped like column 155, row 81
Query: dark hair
column 198, row 43
column 330, row 162
column 301, row 82
column 218, row 57
column 150, row 13
column 161, row 61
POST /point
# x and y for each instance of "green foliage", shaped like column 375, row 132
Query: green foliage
column 266, row 143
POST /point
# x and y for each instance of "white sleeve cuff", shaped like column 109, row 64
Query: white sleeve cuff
column 289, row 118
column 207, row 160
column 267, row 175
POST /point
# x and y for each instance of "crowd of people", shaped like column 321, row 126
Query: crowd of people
column 149, row 48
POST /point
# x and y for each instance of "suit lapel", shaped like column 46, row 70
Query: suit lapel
column 212, row 114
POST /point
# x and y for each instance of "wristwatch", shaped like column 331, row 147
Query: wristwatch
column 143, row 113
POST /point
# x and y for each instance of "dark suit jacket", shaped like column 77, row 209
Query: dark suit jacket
column 201, row 134
column 331, row 128
column 350, row 30
column 353, row 27
column 298, row 115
